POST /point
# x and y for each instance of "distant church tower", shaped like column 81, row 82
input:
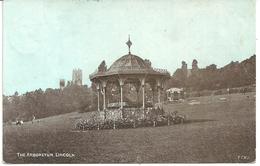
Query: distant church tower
column 77, row 77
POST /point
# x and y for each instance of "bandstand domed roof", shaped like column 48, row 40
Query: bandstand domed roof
column 128, row 65
column 129, row 62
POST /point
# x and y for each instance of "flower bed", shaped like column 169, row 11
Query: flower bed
column 151, row 119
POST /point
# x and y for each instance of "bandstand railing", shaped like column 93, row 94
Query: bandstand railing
column 164, row 71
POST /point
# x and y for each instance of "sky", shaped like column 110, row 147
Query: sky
column 44, row 40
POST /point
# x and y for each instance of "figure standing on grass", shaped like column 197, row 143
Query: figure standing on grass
column 33, row 118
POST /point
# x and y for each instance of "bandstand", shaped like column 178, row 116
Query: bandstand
column 129, row 69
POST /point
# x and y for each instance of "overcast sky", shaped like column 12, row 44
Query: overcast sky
column 44, row 40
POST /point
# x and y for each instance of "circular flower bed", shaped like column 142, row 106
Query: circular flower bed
column 123, row 123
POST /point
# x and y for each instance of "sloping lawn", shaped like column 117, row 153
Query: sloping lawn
column 216, row 131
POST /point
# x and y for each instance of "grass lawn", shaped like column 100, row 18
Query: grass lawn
column 217, row 130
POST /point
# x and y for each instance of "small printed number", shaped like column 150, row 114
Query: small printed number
column 243, row 157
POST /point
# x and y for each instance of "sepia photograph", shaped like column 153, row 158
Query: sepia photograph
column 134, row 81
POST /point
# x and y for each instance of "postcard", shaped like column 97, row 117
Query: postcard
column 108, row 81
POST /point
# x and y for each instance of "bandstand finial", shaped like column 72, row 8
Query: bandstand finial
column 129, row 44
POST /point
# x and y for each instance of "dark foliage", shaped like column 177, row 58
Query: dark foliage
column 232, row 75
column 43, row 104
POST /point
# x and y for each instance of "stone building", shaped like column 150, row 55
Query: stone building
column 77, row 77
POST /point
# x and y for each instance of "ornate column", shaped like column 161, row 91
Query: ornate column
column 104, row 84
column 98, row 88
column 121, row 97
column 121, row 83
column 158, row 82
column 143, row 89
column 152, row 84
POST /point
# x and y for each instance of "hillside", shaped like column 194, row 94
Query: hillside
column 234, row 74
